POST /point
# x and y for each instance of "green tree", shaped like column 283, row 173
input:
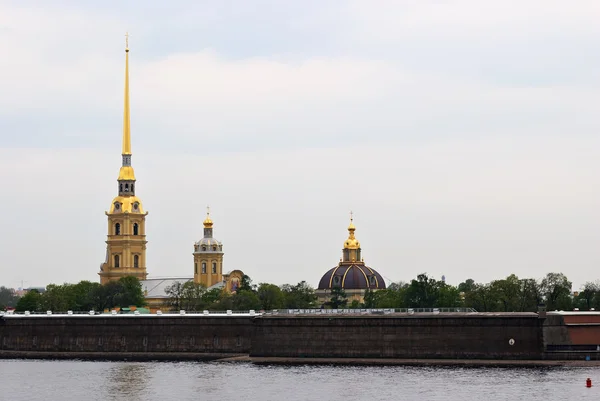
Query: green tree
column 556, row 289
column 270, row 296
column 448, row 296
column 355, row 304
column 481, row 299
column 422, row 292
column 467, row 286
column 531, row 295
column 246, row 284
column 131, row 293
column 31, row 301
column 56, row 297
column 507, row 292
column 588, row 294
column 244, row 300
column 212, row 298
column 337, row 299
column 175, row 294
column 193, row 294
column 8, row 298
column 370, row 298
column 299, row 296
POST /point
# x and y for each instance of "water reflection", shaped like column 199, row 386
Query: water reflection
column 128, row 381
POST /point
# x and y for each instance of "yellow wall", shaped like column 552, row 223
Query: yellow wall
column 126, row 246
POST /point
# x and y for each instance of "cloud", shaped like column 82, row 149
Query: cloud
column 463, row 137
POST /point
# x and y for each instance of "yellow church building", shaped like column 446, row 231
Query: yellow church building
column 126, row 237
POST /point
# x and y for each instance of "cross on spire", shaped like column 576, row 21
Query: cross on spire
column 127, row 40
column 208, row 210
column 351, row 215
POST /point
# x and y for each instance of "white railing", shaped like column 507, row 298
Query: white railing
column 366, row 311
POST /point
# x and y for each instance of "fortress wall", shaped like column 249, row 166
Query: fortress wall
column 126, row 334
column 460, row 336
column 336, row 336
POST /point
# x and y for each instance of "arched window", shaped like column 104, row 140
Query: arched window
column 120, row 187
column 117, row 229
column 126, row 187
column 372, row 280
column 214, row 247
column 131, row 187
column 136, row 260
column 214, row 267
column 336, row 280
column 117, row 260
column 203, row 267
column 195, row 267
column 204, row 247
column 136, row 229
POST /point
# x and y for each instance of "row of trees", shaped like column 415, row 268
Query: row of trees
column 84, row 296
column 192, row 296
column 511, row 294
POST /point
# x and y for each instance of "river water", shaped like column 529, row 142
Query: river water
column 32, row 380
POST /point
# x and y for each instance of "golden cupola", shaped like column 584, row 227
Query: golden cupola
column 208, row 223
column 351, row 242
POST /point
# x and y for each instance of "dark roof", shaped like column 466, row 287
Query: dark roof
column 352, row 276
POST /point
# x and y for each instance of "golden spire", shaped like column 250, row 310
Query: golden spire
column 126, row 120
column 126, row 173
column 208, row 223
column 351, row 242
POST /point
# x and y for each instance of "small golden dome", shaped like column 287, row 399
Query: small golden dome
column 351, row 242
column 208, row 223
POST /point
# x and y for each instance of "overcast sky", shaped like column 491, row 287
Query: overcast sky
column 463, row 134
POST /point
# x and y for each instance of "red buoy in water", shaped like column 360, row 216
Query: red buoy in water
column 588, row 382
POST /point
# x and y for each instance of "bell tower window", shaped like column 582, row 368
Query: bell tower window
column 203, row 267
column 136, row 229
column 117, row 260
column 195, row 267
column 136, row 261
column 214, row 267
column 117, row 229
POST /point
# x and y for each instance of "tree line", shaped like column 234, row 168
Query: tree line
column 195, row 297
column 510, row 294
column 84, row 296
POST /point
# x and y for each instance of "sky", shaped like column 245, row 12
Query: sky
column 462, row 134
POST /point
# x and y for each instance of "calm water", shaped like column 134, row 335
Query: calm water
column 147, row 381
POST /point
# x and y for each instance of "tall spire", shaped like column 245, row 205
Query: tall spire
column 126, row 119
column 126, row 173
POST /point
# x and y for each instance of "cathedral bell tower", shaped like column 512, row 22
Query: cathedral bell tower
column 208, row 257
column 126, row 240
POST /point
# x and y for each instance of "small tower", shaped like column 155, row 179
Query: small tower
column 208, row 257
column 351, row 251
column 126, row 240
